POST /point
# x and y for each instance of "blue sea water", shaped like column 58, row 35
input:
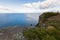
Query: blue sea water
column 13, row 19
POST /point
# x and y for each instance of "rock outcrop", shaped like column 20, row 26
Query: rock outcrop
column 12, row 33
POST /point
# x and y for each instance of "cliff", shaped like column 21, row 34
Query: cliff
column 49, row 18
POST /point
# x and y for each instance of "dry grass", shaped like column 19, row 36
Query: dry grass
column 50, row 28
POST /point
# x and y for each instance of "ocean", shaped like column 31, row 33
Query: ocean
column 15, row 19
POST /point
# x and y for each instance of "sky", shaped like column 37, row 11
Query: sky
column 29, row 6
column 19, row 6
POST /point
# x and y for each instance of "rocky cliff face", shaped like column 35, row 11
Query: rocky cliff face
column 49, row 17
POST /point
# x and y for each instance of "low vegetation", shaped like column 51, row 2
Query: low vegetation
column 49, row 33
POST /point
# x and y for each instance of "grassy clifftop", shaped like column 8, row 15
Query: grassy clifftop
column 49, row 18
column 46, row 15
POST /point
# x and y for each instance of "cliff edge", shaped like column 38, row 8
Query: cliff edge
column 48, row 19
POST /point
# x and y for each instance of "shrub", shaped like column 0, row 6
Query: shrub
column 41, row 34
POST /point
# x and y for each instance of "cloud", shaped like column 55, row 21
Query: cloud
column 34, row 7
column 4, row 9
column 23, row 8
column 44, row 6
column 50, row 5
